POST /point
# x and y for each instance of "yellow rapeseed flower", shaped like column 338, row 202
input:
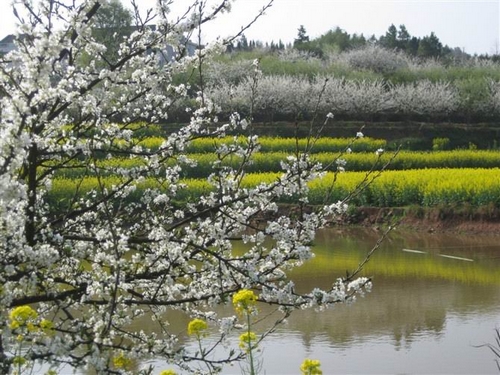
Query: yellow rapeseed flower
column 47, row 326
column 246, row 340
column 244, row 301
column 31, row 327
column 311, row 367
column 196, row 326
column 121, row 361
column 21, row 316
column 18, row 361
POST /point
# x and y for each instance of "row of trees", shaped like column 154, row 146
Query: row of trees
column 426, row 47
column 243, row 44
column 339, row 40
column 289, row 97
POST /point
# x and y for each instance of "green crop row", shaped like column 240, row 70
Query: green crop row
column 271, row 162
column 277, row 144
column 429, row 187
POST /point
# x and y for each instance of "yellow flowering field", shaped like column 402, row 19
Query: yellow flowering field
column 271, row 162
column 427, row 187
column 273, row 144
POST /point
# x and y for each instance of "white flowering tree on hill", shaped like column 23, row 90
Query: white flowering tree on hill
column 76, row 272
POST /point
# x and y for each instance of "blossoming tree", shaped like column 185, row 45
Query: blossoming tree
column 75, row 276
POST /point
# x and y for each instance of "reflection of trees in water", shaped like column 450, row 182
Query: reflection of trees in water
column 412, row 294
column 401, row 310
column 339, row 251
column 364, row 238
column 388, row 311
column 402, row 307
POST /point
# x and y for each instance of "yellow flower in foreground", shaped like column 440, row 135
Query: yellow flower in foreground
column 21, row 316
column 244, row 301
column 196, row 326
column 31, row 327
column 47, row 326
column 121, row 361
column 311, row 367
column 18, row 361
column 246, row 340
column 168, row 372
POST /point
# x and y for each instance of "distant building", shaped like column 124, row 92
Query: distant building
column 7, row 44
column 170, row 54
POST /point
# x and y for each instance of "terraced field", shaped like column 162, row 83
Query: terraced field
column 351, row 168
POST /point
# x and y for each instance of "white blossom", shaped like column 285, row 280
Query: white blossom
column 112, row 246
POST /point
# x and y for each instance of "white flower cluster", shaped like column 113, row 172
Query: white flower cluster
column 495, row 96
column 115, row 246
column 374, row 58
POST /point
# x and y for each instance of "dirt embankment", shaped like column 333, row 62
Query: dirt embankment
column 485, row 220
column 468, row 220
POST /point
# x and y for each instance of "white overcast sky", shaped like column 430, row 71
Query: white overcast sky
column 473, row 25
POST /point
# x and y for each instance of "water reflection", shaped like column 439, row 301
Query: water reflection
column 424, row 315
column 338, row 251
column 418, row 300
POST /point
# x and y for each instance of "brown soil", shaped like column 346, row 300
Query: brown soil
column 444, row 219
column 464, row 219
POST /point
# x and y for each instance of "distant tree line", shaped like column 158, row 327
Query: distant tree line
column 338, row 40
column 395, row 39
column 243, row 44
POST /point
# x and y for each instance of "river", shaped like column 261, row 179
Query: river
column 435, row 298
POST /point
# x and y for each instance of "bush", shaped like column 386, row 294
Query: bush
column 376, row 59
column 440, row 144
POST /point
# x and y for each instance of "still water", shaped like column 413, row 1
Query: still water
column 435, row 299
column 426, row 314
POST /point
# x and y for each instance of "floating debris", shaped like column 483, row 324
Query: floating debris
column 457, row 258
column 414, row 251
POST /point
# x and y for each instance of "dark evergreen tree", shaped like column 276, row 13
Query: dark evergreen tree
column 338, row 38
column 243, row 43
column 357, row 41
column 412, row 48
column 403, row 39
column 390, row 39
column 430, row 46
column 301, row 36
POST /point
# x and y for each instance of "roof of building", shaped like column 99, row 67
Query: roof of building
column 8, row 39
